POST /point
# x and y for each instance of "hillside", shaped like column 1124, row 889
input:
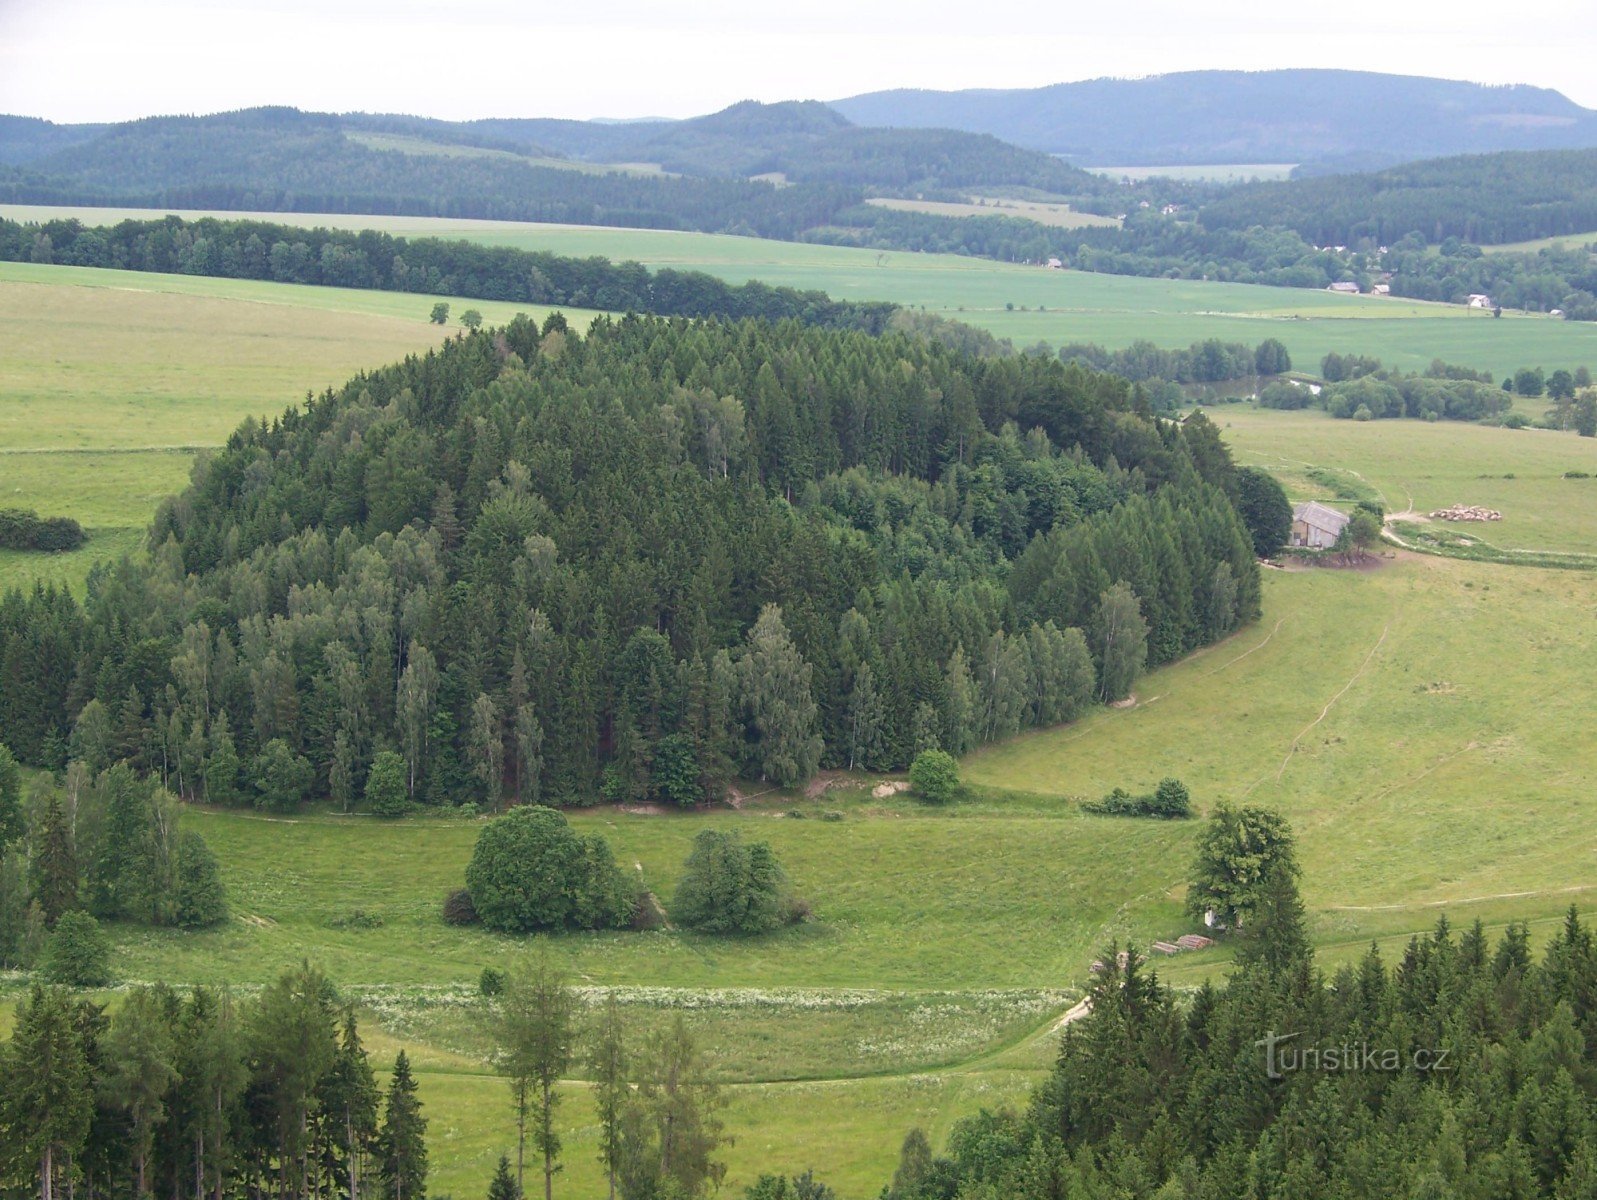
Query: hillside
column 1295, row 116
column 1483, row 199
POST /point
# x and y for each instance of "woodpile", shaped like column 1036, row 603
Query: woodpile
column 1467, row 512
column 1187, row 941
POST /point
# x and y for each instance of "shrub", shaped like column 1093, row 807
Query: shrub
column 491, row 982
column 458, row 908
column 24, row 529
column 385, row 785
column 77, row 953
column 1169, row 801
column 730, row 887
column 530, row 870
column 934, row 776
column 357, row 918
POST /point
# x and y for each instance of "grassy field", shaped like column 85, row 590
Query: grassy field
column 111, row 379
column 1569, row 241
column 1059, row 216
column 1426, row 466
column 1029, row 304
column 425, row 148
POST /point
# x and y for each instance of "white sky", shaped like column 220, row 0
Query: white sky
column 100, row 60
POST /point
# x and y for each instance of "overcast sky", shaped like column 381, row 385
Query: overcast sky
column 101, row 60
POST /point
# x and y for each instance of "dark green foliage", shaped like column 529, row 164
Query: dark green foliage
column 385, row 785
column 22, row 529
column 1209, row 361
column 1239, row 852
column 12, row 822
column 530, row 871
column 536, row 559
column 1265, row 510
column 47, row 1103
column 1169, row 801
column 401, row 1158
column 491, row 982
column 934, row 776
column 282, row 778
column 439, row 314
column 729, row 886
column 503, row 1185
column 458, row 908
column 55, row 865
column 1586, row 414
column 201, row 899
column 471, row 319
column 77, row 953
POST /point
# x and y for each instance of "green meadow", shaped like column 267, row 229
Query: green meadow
column 1027, row 304
column 1422, row 721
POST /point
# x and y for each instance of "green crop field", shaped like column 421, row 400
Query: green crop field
column 1028, row 304
column 1057, row 215
column 1568, row 241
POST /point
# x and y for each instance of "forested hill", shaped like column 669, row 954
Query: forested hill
column 1478, row 198
column 630, row 564
column 1286, row 116
column 284, row 159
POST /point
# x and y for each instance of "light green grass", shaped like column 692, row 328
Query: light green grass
column 425, row 148
column 1056, row 306
column 1431, row 465
column 1059, row 216
column 1567, row 241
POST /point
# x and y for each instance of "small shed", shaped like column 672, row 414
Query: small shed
column 1316, row 526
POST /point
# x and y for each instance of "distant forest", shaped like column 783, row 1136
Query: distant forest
column 378, row 261
column 634, row 564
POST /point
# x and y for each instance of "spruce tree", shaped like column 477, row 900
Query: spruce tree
column 12, row 823
column 48, row 1098
column 55, row 865
column 402, row 1144
column 140, row 1060
column 503, row 1185
column 775, row 682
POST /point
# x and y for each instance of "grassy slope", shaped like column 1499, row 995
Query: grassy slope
column 1110, row 309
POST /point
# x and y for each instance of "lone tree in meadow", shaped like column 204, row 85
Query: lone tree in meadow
column 531, row 870
column 934, row 776
column 440, row 314
column 471, row 319
column 1239, row 853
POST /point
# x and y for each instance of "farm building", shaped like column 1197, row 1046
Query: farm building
column 1479, row 301
column 1316, row 526
column 1351, row 288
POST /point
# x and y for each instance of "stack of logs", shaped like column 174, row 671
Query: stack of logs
column 1467, row 512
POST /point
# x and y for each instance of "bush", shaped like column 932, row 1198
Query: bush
column 491, row 982
column 730, row 887
column 458, row 908
column 24, row 529
column 530, row 870
column 385, row 785
column 1515, row 420
column 77, row 953
column 934, row 776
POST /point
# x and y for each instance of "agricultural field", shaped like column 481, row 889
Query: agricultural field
column 1568, row 241
column 1024, row 303
column 1059, row 215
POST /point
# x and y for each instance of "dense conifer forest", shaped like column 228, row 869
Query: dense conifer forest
column 542, row 566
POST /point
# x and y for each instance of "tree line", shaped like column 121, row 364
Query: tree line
column 379, row 261
column 537, row 567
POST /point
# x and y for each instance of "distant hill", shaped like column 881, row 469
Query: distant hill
column 284, row 149
column 1295, row 116
column 1485, row 199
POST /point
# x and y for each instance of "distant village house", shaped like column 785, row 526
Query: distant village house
column 1347, row 286
column 1316, row 526
column 1479, row 301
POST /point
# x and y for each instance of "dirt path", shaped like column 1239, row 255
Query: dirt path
column 1331, row 703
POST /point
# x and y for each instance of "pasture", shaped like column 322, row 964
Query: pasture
column 1058, row 215
column 1025, row 303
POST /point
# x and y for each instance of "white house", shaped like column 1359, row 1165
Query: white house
column 1347, row 286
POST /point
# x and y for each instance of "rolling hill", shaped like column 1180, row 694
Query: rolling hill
column 1296, row 116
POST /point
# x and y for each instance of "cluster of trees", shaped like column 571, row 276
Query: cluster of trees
column 543, row 567
column 1485, row 199
column 107, row 846
column 1463, row 1070
column 375, row 260
column 657, row 1106
column 1556, row 277
column 1359, row 387
column 24, row 529
column 204, row 1094
column 1169, row 801
column 1208, row 361
column 531, row 871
